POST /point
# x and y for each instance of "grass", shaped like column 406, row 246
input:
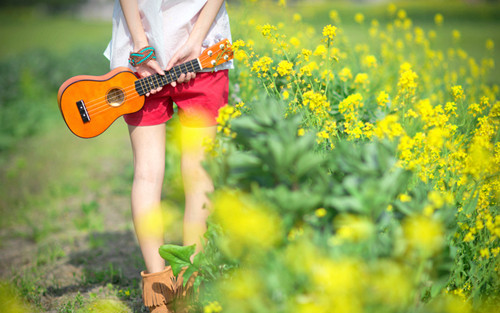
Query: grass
column 28, row 29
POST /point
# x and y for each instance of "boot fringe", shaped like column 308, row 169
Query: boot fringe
column 158, row 288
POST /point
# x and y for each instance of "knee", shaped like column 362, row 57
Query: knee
column 149, row 174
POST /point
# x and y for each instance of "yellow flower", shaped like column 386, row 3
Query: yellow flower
column 389, row 127
column 407, row 80
column 383, row 99
column 359, row 18
column 334, row 16
column 401, row 14
column 404, row 198
column 286, row 95
column 458, row 93
column 320, row 50
column 370, row 61
column 329, row 32
column 490, row 45
column 456, row 34
column 485, row 253
column 361, row 78
column 309, row 68
column 239, row 217
column 423, row 234
column 306, row 53
column 321, row 212
column 301, row 132
column 297, row 17
column 354, row 228
column 294, row 41
column 267, row 30
column 212, row 307
column 438, row 19
column 262, row 65
column 284, row 68
column 345, row 74
column 391, row 8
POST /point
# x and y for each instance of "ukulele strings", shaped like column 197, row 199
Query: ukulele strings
column 99, row 103
column 125, row 89
column 106, row 106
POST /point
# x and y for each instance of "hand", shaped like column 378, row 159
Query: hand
column 185, row 53
column 149, row 68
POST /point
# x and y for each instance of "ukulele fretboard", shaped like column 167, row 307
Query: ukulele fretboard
column 146, row 84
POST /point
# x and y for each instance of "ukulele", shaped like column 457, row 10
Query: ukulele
column 90, row 104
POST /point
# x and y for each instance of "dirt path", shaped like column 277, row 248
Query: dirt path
column 66, row 235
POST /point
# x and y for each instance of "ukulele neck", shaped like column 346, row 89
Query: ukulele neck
column 146, row 84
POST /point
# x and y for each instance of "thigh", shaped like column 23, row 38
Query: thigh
column 148, row 146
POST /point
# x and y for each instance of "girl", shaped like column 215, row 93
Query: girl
column 178, row 31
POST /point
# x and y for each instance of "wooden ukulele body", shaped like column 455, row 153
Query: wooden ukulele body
column 90, row 104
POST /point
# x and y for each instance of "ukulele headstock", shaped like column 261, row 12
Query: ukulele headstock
column 217, row 54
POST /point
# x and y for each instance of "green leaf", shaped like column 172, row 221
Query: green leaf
column 177, row 256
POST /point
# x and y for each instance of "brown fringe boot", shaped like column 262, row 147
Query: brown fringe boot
column 158, row 290
column 184, row 295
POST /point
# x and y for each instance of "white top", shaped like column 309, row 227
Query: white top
column 167, row 24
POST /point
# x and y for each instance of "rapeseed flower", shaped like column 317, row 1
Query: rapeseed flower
column 329, row 32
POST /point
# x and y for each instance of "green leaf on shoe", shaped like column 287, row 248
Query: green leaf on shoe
column 177, row 256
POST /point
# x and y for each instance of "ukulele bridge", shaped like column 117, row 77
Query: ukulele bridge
column 83, row 111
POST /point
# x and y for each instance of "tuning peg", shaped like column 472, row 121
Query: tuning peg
column 209, row 52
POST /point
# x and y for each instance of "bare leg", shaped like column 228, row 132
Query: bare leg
column 197, row 183
column 148, row 146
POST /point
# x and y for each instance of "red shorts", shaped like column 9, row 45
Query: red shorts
column 198, row 102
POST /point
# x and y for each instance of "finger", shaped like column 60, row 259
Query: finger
column 171, row 63
column 181, row 78
column 173, row 84
column 156, row 67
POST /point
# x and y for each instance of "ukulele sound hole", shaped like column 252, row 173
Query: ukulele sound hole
column 115, row 97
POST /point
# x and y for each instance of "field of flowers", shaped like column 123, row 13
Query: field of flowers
column 352, row 177
column 356, row 168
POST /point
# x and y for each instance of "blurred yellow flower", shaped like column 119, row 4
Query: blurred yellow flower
column 391, row 8
column 438, row 19
column 361, row 79
column 490, row 45
column 383, row 99
column 320, row 50
column 423, row 234
column 240, row 218
column 404, row 198
column 370, row 61
column 401, row 14
column 353, row 228
column 359, row 18
column 334, row 16
column 294, row 41
column 345, row 74
column 321, row 212
column 389, row 127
